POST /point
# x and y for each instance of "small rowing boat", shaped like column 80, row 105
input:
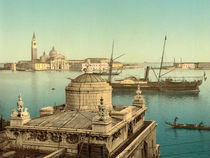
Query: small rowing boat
column 189, row 126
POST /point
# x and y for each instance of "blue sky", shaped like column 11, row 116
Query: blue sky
column 85, row 28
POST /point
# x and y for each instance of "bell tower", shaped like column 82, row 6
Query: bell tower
column 33, row 48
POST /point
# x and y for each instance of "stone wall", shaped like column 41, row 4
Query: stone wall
column 86, row 96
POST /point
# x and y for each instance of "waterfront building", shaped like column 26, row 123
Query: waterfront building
column 40, row 66
column 75, row 64
column 23, row 65
column 204, row 65
column 186, row 65
column 53, row 61
column 96, row 63
column 10, row 66
column 100, row 64
column 117, row 65
column 193, row 65
column 87, row 125
column 56, row 61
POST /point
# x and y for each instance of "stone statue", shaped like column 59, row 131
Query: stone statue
column 21, row 116
column 103, row 112
column 20, row 104
column 138, row 99
column 89, row 68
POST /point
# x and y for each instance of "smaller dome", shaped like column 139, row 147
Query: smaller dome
column 53, row 52
column 88, row 78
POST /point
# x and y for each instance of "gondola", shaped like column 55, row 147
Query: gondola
column 189, row 126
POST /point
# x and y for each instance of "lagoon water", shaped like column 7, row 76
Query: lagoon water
column 36, row 89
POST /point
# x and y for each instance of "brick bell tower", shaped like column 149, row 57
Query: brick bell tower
column 33, row 48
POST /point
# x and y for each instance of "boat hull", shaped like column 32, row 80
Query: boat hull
column 192, row 87
column 188, row 126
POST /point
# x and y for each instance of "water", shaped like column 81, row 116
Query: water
column 36, row 89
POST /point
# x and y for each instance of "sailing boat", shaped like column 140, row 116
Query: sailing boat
column 173, row 84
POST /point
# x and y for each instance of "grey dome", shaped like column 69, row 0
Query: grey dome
column 88, row 78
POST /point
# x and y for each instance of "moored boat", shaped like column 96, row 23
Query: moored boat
column 172, row 84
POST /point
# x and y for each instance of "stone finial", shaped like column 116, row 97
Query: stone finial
column 103, row 112
column 14, row 113
column 138, row 99
column 20, row 104
column 138, row 91
column 21, row 116
column 102, row 122
column 89, row 68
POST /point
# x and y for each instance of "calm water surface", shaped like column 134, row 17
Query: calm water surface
column 36, row 89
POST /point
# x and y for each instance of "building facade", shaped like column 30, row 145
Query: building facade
column 10, row 66
column 99, row 64
column 186, row 65
column 87, row 125
column 56, row 61
column 53, row 61
column 204, row 65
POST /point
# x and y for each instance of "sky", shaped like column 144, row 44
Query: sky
column 80, row 29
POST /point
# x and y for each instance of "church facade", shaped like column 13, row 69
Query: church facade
column 51, row 61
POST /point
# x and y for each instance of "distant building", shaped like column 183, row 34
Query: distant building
column 53, row 61
column 24, row 65
column 117, row 65
column 96, row 63
column 76, row 65
column 100, row 64
column 193, row 65
column 56, row 61
column 204, row 65
column 10, row 66
column 186, row 65
column 39, row 66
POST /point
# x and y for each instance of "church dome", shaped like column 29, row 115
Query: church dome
column 85, row 91
column 44, row 57
column 53, row 52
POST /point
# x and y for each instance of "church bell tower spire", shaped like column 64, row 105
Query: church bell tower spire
column 33, row 48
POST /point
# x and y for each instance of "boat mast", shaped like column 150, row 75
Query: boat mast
column 110, row 64
column 161, row 64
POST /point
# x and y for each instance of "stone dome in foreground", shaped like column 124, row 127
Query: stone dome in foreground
column 85, row 91
column 88, row 78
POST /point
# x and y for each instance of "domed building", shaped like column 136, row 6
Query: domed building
column 52, row 52
column 54, row 61
column 44, row 58
column 87, row 125
column 85, row 91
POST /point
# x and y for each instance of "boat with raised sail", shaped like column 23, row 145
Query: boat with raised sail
column 163, row 84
